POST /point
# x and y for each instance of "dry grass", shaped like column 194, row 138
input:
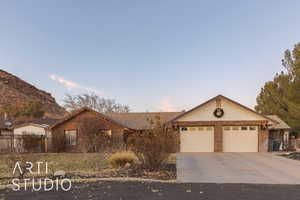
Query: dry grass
column 172, row 159
column 69, row 162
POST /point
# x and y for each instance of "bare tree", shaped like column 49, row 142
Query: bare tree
column 94, row 136
column 75, row 102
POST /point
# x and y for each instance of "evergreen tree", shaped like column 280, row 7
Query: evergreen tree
column 282, row 95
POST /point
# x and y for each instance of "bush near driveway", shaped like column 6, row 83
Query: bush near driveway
column 153, row 147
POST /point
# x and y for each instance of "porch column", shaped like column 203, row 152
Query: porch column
column 286, row 137
column 263, row 139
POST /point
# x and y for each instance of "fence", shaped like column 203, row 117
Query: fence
column 16, row 144
column 6, row 144
column 298, row 144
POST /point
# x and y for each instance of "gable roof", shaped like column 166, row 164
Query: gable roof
column 280, row 125
column 140, row 121
column 43, row 123
column 230, row 100
column 31, row 124
column 82, row 110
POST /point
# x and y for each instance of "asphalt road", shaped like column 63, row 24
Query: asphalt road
column 256, row 168
column 162, row 191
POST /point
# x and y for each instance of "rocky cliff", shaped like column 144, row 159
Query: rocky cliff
column 14, row 91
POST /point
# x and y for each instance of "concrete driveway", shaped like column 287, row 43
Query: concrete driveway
column 260, row 168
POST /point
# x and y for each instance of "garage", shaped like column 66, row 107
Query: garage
column 197, row 139
column 240, row 139
column 228, row 127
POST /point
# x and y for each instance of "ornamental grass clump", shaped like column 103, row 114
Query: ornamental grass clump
column 121, row 159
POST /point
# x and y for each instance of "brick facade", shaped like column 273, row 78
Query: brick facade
column 218, row 138
column 263, row 139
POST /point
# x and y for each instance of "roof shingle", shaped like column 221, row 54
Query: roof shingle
column 281, row 124
column 140, row 121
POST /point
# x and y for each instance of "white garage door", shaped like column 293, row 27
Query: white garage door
column 197, row 139
column 240, row 139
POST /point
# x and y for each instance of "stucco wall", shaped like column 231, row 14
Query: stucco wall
column 30, row 129
column 234, row 115
column 231, row 112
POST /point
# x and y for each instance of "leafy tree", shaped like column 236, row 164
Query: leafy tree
column 282, row 95
column 75, row 102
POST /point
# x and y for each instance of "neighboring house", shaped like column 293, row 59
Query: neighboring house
column 37, row 128
column 218, row 125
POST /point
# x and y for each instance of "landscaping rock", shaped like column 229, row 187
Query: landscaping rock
column 60, row 174
column 127, row 165
column 293, row 155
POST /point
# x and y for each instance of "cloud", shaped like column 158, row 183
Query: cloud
column 166, row 105
column 71, row 85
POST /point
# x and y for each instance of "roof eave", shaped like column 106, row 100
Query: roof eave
column 230, row 100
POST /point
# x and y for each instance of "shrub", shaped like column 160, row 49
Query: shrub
column 31, row 142
column 153, row 147
column 58, row 140
column 120, row 159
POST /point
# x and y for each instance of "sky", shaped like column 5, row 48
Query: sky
column 158, row 55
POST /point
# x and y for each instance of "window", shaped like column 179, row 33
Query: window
column 107, row 132
column 192, row 129
column 244, row 128
column 71, row 136
column 235, row 128
column 209, row 128
column 184, row 129
column 226, row 128
column 252, row 128
column 201, row 128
